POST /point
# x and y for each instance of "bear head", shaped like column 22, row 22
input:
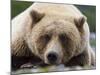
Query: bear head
column 56, row 38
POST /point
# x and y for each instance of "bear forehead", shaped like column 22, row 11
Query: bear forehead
column 58, row 26
column 55, row 26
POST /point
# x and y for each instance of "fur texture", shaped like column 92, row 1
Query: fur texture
column 45, row 28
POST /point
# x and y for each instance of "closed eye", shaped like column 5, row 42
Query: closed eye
column 63, row 39
column 44, row 39
column 42, row 42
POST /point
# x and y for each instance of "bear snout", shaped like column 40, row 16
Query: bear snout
column 52, row 57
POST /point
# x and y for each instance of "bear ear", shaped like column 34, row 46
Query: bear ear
column 79, row 22
column 36, row 16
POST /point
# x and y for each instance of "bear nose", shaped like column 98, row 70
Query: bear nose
column 52, row 57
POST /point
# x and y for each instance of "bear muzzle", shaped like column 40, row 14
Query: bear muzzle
column 52, row 57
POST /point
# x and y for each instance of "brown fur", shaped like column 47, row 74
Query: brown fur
column 48, row 27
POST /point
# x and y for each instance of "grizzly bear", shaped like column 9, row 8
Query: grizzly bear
column 52, row 33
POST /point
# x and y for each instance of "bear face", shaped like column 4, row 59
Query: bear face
column 55, row 41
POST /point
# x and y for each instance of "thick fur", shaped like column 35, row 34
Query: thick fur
column 60, row 28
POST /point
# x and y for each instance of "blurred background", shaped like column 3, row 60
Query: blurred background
column 89, row 11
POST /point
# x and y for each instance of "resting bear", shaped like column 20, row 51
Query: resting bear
column 52, row 33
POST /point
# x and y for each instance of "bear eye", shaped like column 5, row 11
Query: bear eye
column 42, row 42
column 47, row 37
column 64, row 39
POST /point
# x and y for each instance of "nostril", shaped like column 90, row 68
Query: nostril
column 52, row 57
